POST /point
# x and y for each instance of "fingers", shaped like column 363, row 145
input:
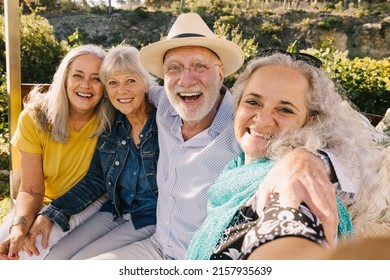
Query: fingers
column 4, row 250
column 45, row 239
column 14, row 249
column 14, row 244
column 41, row 225
column 298, row 178
column 327, row 213
column 330, row 230
column 323, row 205
column 30, row 247
column 3, row 256
column 262, row 197
column 27, row 250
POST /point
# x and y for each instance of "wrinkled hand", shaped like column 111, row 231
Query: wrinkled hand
column 12, row 245
column 4, row 249
column 42, row 225
column 301, row 177
column 4, row 246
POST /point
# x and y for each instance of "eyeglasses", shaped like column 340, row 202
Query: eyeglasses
column 312, row 60
column 197, row 68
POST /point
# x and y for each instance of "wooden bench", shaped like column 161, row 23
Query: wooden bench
column 374, row 119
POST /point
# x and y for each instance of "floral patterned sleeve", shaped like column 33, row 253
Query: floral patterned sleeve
column 276, row 222
column 249, row 231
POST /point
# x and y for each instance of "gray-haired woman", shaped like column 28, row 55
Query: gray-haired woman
column 56, row 136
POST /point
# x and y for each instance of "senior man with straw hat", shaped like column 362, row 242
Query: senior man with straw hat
column 190, row 30
column 195, row 120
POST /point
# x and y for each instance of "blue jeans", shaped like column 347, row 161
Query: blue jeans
column 99, row 234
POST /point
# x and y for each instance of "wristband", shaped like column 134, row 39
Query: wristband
column 328, row 166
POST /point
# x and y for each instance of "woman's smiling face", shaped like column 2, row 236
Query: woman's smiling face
column 127, row 93
column 84, row 88
column 272, row 101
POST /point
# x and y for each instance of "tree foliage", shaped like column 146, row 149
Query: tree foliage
column 365, row 81
column 40, row 51
column 40, row 55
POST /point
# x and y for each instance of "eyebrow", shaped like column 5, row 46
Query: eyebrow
column 83, row 72
column 291, row 104
column 283, row 102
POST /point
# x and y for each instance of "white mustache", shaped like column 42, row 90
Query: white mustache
column 186, row 91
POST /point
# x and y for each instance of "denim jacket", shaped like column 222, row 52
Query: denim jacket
column 112, row 161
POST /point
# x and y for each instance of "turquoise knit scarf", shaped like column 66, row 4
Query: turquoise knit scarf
column 232, row 189
column 235, row 185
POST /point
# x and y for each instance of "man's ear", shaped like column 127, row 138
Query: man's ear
column 221, row 76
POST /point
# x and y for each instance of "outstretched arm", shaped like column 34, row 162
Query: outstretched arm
column 289, row 248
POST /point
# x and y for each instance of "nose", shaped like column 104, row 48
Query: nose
column 186, row 78
column 85, row 83
column 122, row 87
column 264, row 117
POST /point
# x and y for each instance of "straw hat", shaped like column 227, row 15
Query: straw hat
column 189, row 29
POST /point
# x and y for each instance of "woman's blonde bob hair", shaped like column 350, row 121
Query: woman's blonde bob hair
column 124, row 59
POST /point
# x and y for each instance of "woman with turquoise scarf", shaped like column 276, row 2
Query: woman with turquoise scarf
column 283, row 101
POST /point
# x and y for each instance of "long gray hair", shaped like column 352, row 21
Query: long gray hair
column 52, row 108
column 334, row 123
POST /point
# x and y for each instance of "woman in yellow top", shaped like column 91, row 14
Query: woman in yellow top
column 56, row 137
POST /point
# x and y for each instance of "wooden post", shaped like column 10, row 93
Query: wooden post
column 12, row 47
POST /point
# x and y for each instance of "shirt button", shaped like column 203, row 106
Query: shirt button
column 134, row 173
column 123, row 142
column 116, row 163
column 109, row 183
column 141, row 135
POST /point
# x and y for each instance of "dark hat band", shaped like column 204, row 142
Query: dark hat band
column 185, row 35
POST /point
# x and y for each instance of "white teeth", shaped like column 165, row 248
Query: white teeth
column 265, row 136
column 125, row 100
column 84, row 94
column 183, row 94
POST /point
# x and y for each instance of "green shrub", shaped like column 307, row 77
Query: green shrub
column 228, row 28
column 364, row 80
column 40, row 55
column 40, row 51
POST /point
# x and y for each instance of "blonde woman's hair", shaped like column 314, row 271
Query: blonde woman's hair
column 52, row 108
